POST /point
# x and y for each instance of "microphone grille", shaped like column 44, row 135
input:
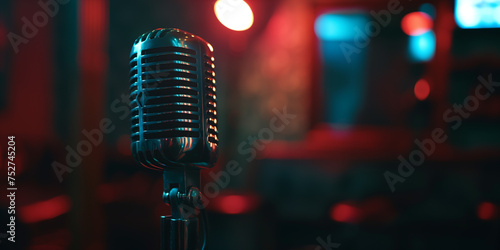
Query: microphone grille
column 164, row 87
column 211, row 98
column 173, row 100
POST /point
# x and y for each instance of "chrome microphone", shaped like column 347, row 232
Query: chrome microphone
column 173, row 101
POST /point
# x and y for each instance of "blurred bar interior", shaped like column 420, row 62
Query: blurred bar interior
column 366, row 124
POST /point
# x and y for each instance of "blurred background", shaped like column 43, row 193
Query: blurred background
column 320, row 104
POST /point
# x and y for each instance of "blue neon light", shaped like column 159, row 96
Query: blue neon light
column 473, row 14
column 428, row 9
column 339, row 27
column 422, row 47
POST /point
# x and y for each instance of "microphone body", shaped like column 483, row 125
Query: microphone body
column 173, row 101
column 174, row 123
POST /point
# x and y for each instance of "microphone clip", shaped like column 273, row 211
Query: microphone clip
column 181, row 191
column 179, row 202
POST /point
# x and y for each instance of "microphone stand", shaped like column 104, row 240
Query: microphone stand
column 181, row 230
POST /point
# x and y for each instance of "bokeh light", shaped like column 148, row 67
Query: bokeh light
column 422, row 47
column 486, row 211
column 234, row 204
column 339, row 27
column 234, row 14
column 422, row 89
column 473, row 14
column 428, row 9
column 344, row 212
column 416, row 23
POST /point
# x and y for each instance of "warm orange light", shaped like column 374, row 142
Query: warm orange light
column 422, row 89
column 234, row 14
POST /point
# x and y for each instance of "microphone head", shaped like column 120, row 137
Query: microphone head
column 173, row 100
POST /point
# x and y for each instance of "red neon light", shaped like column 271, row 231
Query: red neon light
column 422, row 89
column 345, row 213
column 234, row 204
column 416, row 23
column 486, row 211
column 45, row 210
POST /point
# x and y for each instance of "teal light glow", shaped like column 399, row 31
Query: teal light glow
column 428, row 9
column 473, row 14
column 422, row 47
column 339, row 27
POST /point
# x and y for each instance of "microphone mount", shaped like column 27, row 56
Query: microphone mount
column 182, row 193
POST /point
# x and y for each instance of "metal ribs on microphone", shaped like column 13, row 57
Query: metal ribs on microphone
column 173, row 100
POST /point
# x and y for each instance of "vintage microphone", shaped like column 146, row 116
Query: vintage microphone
column 174, row 123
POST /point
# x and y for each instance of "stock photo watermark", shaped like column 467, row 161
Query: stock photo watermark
column 326, row 244
column 453, row 116
column 40, row 19
column 371, row 30
column 94, row 137
column 11, row 188
column 249, row 148
column 3, row 236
